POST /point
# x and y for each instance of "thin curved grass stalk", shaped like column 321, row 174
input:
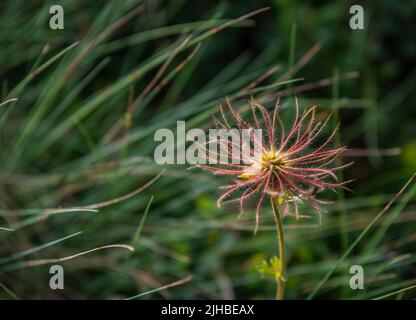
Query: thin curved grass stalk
column 167, row 286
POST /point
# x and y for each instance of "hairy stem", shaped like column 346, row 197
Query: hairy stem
column 280, row 280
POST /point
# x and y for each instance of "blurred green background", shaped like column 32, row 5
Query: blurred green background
column 71, row 140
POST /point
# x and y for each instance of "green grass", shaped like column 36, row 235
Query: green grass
column 78, row 111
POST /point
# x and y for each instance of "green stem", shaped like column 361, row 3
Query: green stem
column 280, row 280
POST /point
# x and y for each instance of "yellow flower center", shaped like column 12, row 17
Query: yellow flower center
column 271, row 158
column 265, row 161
